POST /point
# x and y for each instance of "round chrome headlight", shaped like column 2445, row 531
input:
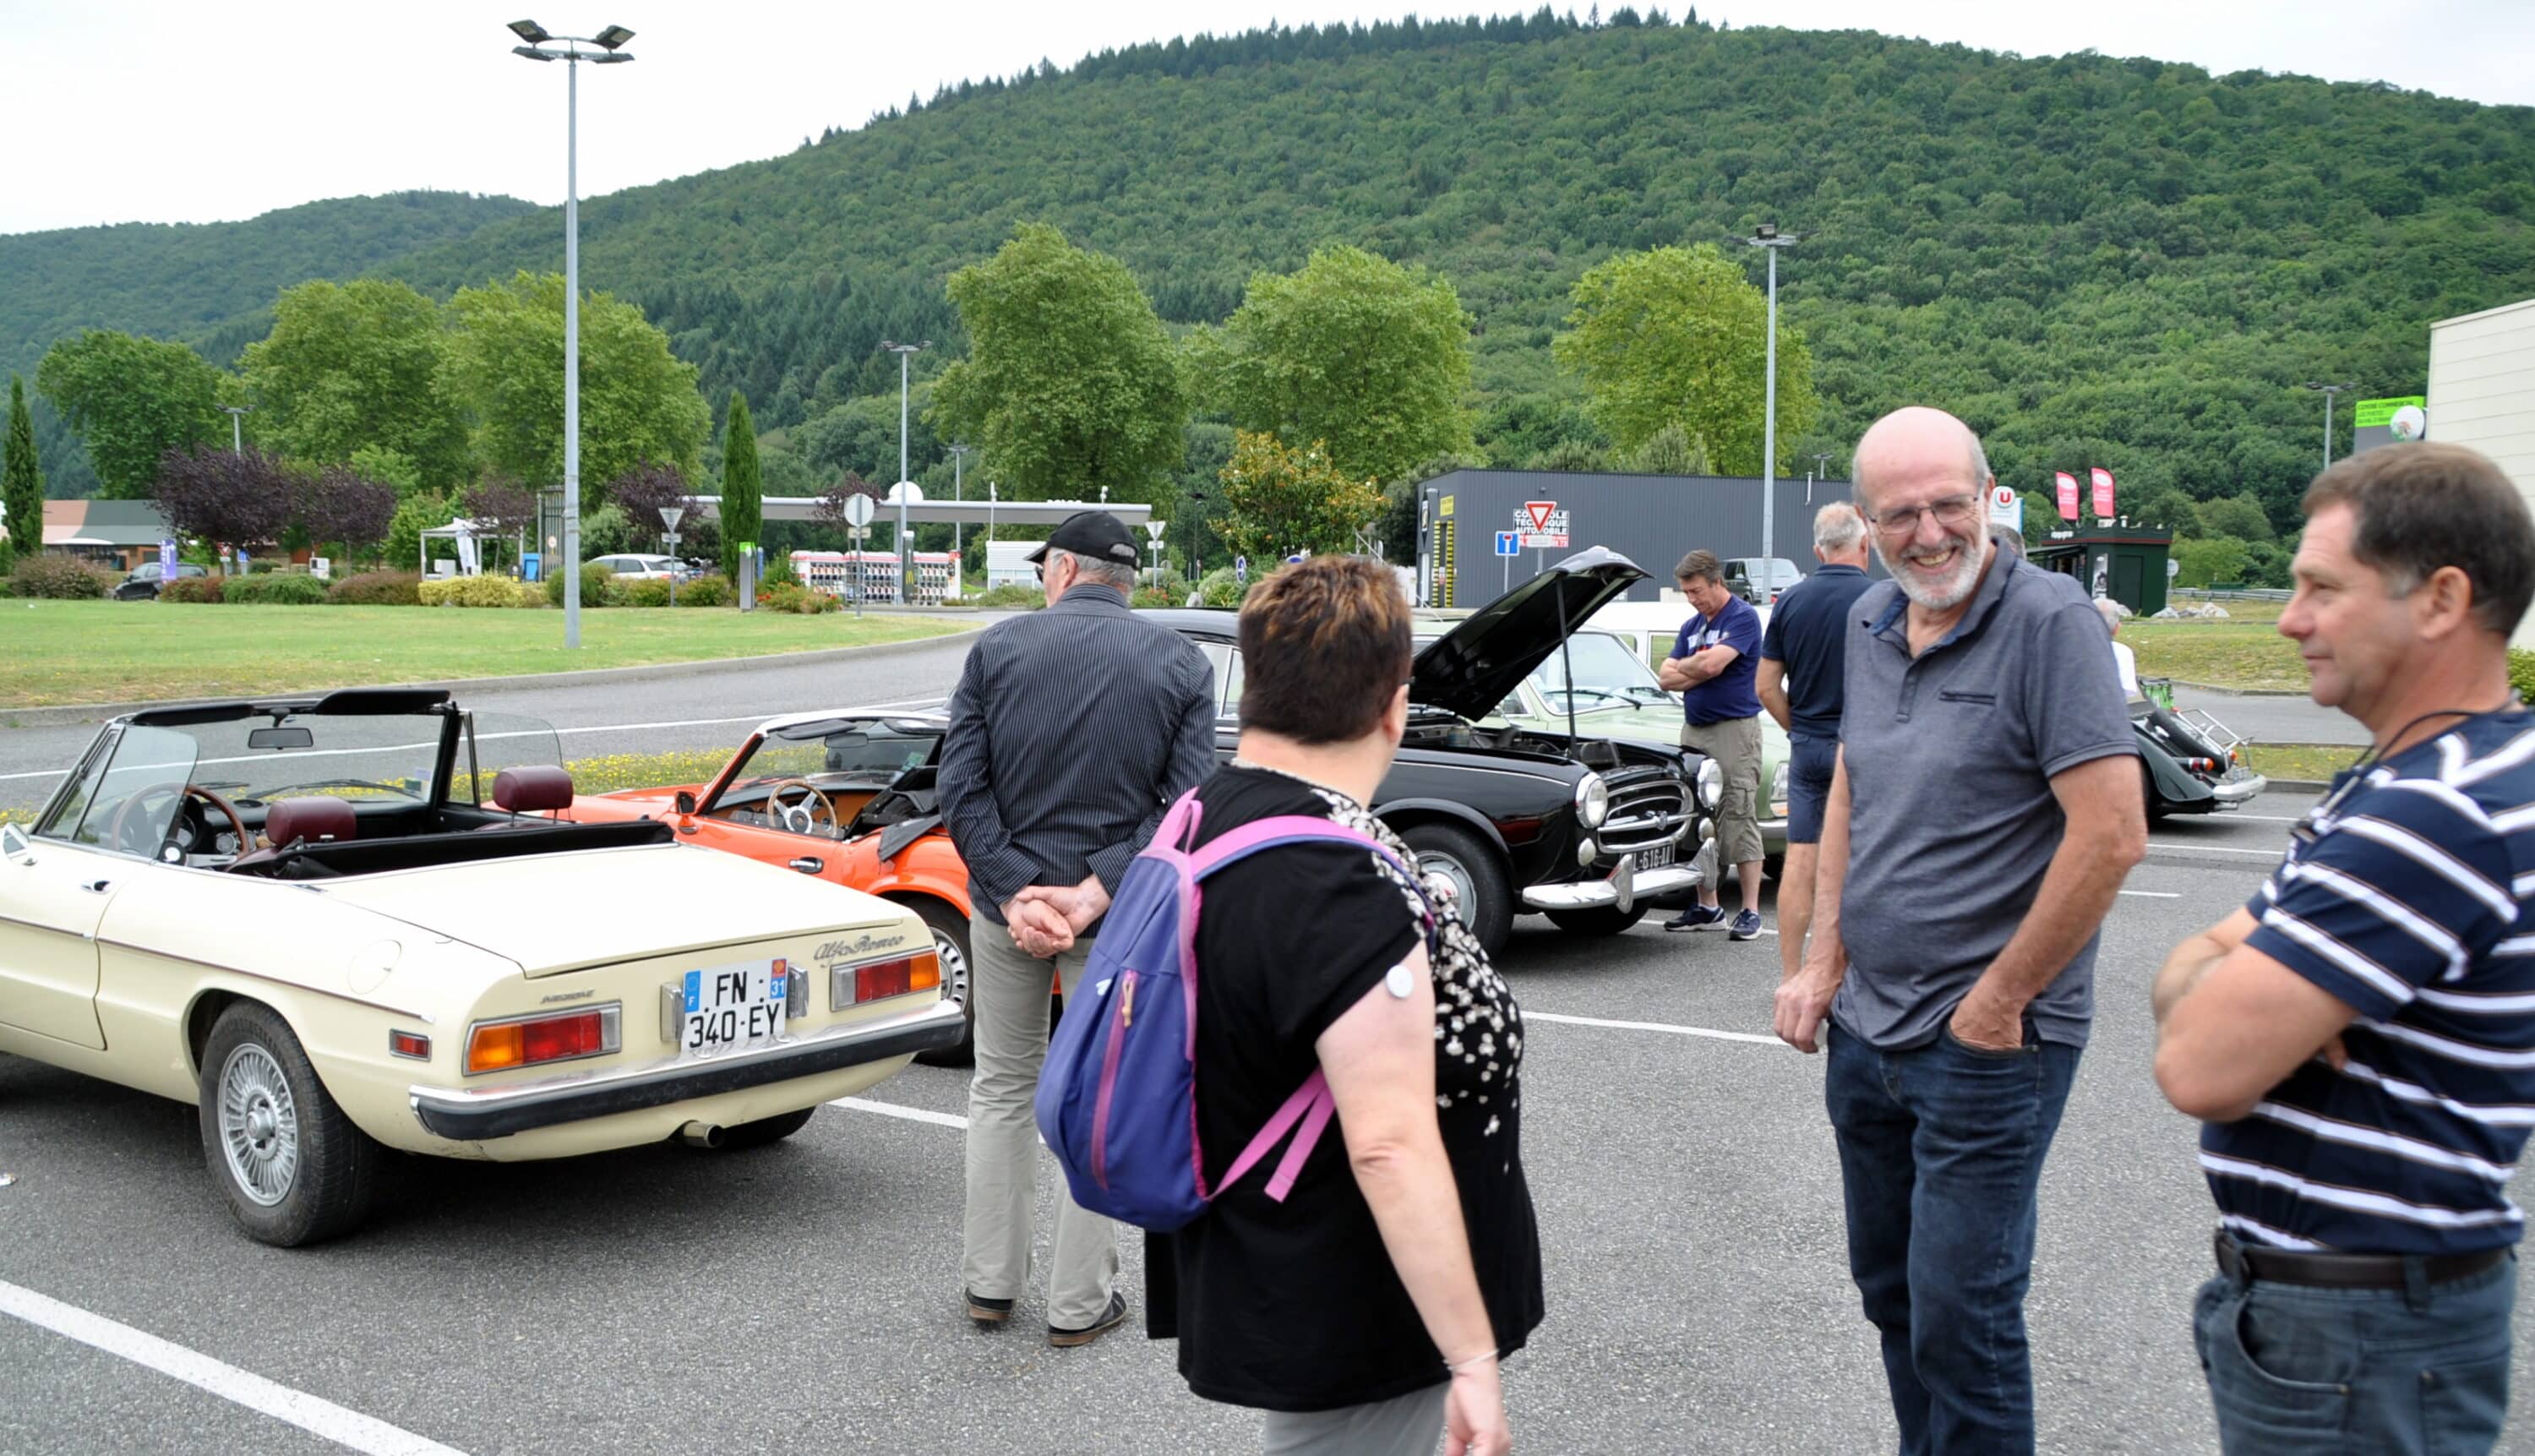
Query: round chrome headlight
column 1712, row 783
column 1592, row 800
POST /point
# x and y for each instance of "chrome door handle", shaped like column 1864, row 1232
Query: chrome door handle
column 808, row 866
column 96, row 887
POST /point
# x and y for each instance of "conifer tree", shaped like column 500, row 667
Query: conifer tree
column 21, row 482
column 742, row 497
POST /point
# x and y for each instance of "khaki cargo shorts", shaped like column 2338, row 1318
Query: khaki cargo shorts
column 1735, row 744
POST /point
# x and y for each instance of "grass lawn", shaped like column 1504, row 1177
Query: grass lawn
column 2317, row 762
column 2234, row 655
column 113, row 651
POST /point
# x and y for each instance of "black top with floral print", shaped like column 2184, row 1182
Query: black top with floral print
column 1295, row 1306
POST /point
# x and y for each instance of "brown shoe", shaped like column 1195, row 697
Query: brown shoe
column 987, row 1311
column 1114, row 1316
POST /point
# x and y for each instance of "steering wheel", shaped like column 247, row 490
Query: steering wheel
column 803, row 817
column 114, row 833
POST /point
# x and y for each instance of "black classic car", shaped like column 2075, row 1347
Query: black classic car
column 1518, row 820
column 144, row 581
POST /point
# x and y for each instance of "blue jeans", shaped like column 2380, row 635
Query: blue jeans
column 1940, row 1150
column 2295, row 1370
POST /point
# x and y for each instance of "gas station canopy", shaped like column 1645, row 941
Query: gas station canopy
column 947, row 512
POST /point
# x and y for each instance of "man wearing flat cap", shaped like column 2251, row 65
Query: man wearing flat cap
column 1071, row 731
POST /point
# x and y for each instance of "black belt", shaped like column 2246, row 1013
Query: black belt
column 2245, row 1261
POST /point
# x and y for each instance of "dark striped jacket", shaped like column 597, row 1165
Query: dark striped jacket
column 1072, row 729
column 2409, row 895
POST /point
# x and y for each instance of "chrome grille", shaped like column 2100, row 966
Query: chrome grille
column 1650, row 807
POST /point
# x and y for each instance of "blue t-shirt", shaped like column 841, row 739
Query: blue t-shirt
column 1809, row 633
column 1728, row 695
column 2406, row 896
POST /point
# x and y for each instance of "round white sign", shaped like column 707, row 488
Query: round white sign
column 859, row 510
column 2410, row 422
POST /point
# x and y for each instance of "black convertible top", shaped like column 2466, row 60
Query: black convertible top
column 350, row 702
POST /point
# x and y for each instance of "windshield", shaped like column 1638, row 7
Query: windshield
column 835, row 750
column 127, row 796
column 1608, row 675
column 362, row 757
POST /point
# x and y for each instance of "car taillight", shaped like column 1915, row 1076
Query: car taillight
column 921, row 972
column 528, row 1040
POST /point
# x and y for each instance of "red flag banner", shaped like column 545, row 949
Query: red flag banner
column 2068, row 495
column 2103, row 480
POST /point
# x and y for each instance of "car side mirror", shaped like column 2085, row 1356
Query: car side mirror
column 13, row 845
column 685, row 802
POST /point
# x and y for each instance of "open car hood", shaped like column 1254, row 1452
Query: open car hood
column 1486, row 655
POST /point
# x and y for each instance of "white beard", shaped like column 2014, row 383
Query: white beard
column 1939, row 593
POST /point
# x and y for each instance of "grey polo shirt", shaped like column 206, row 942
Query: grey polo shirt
column 1952, row 820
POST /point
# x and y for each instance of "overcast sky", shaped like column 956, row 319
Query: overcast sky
column 153, row 110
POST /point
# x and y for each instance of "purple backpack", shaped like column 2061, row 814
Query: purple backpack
column 1117, row 1099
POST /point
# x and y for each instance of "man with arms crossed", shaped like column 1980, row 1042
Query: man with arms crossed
column 1802, row 657
column 1711, row 665
column 2359, row 1039
column 1070, row 731
column 1983, row 812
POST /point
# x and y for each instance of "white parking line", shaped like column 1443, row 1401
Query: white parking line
column 895, row 1110
column 2185, row 844
column 2155, row 894
column 1648, row 1026
column 319, row 1418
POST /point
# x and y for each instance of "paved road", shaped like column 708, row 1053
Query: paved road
column 802, row 1298
column 2274, row 719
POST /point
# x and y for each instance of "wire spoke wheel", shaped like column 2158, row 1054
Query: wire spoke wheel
column 259, row 1125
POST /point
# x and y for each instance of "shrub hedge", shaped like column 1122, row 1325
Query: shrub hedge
column 794, row 597
column 478, row 591
column 648, row 591
column 377, row 589
column 2521, row 672
column 705, row 591
column 594, row 586
column 275, row 589
column 55, row 575
column 1010, row 597
column 194, row 589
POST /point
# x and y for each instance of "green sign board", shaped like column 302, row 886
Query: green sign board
column 2377, row 414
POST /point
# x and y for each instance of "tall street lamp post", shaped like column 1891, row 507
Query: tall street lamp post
column 2327, row 391
column 236, row 414
column 1767, row 237
column 570, row 53
column 905, row 556
column 958, row 459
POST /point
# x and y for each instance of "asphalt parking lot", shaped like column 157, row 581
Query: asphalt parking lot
column 803, row 1297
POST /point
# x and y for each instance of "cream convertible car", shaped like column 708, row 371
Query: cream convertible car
column 303, row 916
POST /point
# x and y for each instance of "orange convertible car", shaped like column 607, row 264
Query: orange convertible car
column 847, row 796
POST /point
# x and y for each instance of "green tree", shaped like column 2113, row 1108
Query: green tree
column 2239, row 516
column 132, row 400
column 1678, row 336
column 22, row 481
column 638, row 401
column 358, row 366
column 1070, row 383
column 2211, row 558
column 1673, row 450
column 743, row 508
column 1354, row 350
column 387, row 466
column 1276, row 499
column 415, row 514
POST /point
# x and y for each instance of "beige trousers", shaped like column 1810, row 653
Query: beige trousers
column 1011, row 991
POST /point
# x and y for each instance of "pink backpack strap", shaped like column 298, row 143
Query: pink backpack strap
column 1311, row 1105
column 1258, row 834
column 1179, row 824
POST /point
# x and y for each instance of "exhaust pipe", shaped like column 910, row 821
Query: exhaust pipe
column 701, row 1134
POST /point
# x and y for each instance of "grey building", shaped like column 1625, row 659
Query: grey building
column 1653, row 520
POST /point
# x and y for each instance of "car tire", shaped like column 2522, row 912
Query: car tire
column 1487, row 905
column 950, row 943
column 1601, row 919
column 291, row 1164
column 764, row 1130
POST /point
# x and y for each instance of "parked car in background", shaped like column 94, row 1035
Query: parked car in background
column 635, row 566
column 2189, row 761
column 843, row 795
column 1651, row 630
column 1760, row 581
column 1518, row 819
column 144, row 583
column 303, row 916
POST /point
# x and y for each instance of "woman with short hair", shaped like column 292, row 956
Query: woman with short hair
column 1366, row 1310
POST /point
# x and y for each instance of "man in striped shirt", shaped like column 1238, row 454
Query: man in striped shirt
column 2359, row 1038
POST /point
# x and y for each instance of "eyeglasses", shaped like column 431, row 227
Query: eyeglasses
column 1953, row 511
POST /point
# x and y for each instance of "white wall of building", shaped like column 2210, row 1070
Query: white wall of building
column 2481, row 394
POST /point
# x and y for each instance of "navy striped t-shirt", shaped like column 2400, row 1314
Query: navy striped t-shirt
column 2408, row 894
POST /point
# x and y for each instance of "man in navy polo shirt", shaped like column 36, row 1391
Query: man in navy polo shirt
column 1711, row 666
column 1801, row 656
column 2359, row 1039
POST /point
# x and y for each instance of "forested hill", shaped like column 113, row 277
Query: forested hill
column 2120, row 262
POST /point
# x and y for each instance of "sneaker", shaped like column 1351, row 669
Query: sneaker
column 1747, row 926
column 1110, row 1319
column 1695, row 917
column 987, row 1311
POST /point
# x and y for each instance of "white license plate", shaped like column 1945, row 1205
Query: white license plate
column 1655, row 857
column 733, row 1006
